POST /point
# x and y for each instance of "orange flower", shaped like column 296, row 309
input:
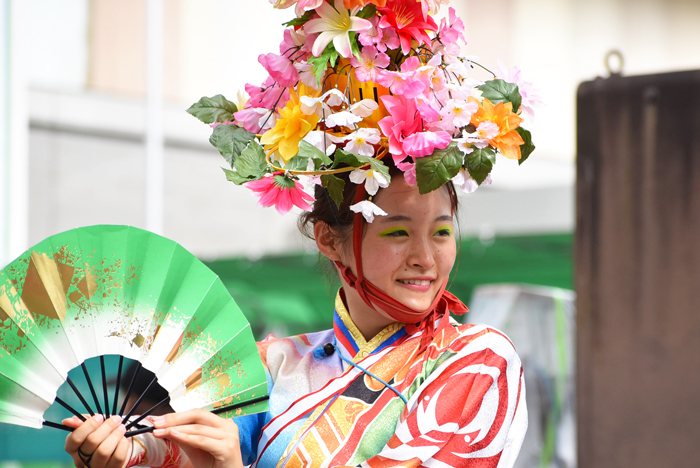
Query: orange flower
column 508, row 140
column 292, row 125
column 350, row 4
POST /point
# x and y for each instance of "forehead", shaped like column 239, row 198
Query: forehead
column 402, row 199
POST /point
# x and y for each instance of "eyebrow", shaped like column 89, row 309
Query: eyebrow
column 396, row 218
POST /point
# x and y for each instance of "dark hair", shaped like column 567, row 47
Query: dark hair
column 341, row 219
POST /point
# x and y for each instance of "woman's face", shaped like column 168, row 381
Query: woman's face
column 410, row 252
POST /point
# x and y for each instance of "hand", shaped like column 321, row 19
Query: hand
column 101, row 441
column 208, row 440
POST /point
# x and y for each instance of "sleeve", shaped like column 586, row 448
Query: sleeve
column 470, row 411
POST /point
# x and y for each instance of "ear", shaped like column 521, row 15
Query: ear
column 326, row 242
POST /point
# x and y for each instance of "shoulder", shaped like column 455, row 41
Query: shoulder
column 276, row 352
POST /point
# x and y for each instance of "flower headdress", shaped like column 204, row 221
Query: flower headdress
column 356, row 82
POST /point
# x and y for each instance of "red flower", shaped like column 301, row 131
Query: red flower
column 278, row 190
column 406, row 16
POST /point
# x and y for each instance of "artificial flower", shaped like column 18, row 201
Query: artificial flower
column 350, row 4
column 457, row 113
column 291, row 127
column 282, row 4
column 361, row 140
column 424, row 143
column 306, row 75
column 254, row 119
column 280, row 69
column 366, row 67
column 409, row 172
column 291, row 41
column 334, row 24
column 530, row 97
column 268, row 95
column 324, row 141
column 281, row 192
column 372, row 179
column 368, row 209
column 450, row 33
column 364, row 108
column 409, row 21
column 381, row 38
column 342, row 119
column 399, row 124
column 464, row 181
column 508, row 140
column 321, row 106
column 405, row 82
column 480, row 138
column 306, row 5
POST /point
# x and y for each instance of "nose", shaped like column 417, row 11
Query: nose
column 421, row 254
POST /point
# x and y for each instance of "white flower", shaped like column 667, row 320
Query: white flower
column 485, row 132
column 457, row 113
column 368, row 209
column 361, row 141
column 464, row 180
column 323, row 141
column 364, row 108
column 335, row 23
column 321, row 105
column 372, row 179
column 343, row 119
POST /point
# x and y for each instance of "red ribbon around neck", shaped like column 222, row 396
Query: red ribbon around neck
column 374, row 297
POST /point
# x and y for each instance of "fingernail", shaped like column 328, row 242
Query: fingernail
column 159, row 432
column 175, row 433
column 116, row 419
column 122, row 428
column 99, row 418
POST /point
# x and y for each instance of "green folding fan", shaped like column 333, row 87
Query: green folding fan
column 118, row 290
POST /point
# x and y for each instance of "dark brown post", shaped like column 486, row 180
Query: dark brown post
column 638, row 271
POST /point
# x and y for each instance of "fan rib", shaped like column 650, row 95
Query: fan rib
column 92, row 389
column 135, row 405
column 80, row 396
column 104, row 387
column 57, row 426
column 131, row 387
column 119, row 381
column 69, row 408
column 148, row 412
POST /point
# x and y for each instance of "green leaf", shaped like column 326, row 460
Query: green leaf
column 299, row 21
column 354, row 46
column 297, row 163
column 233, row 176
column 526, row 148
column 213, row 109
column 351, row 159
column 435, row 170
column 501, row 91
column 335, row 186
column 320, row 64
column 310, row 151
column 379, row 166
column 230, row 140
column 251, row 164
column 367, row 12
column 479, row 163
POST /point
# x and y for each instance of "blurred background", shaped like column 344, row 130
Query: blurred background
column 93, row 130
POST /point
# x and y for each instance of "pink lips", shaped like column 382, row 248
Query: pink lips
column 421, row 285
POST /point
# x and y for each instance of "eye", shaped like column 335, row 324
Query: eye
column 394, row 232
column 444, row 231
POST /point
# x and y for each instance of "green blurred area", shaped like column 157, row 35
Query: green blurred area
column 293, row 294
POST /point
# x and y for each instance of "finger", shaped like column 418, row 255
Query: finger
column 103, row 453
column 93, row 440
column 121, row 454
column 76, row 438
column 195, row 416
column 73, row 422
column 215, row 447
column 194, row 429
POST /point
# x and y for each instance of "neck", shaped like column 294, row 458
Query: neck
column 367, row 320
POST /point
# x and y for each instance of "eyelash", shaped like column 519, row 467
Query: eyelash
column 444, row 232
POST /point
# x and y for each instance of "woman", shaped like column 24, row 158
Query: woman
column 464, row 393
column 396, row 381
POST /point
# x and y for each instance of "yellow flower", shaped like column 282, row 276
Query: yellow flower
column 508, row 140
column 292, row 125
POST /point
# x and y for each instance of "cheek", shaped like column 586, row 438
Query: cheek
column 379, row 262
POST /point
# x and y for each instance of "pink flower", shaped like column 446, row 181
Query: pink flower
column 366, row 69
column 403, row 120
column 305, row 5
column 404, row 83
column 282, row 193
column 424, row 143
column 528, row 92
column 292, row 40
column 379, row 37
column 450, row 34
column 253, row 118
column 267, row 95
column 409, row 172
column 280, row 69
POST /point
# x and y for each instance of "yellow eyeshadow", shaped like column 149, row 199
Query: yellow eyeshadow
column 391, row 231
column 444, row 228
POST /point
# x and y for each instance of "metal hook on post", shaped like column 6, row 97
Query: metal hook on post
column 617, row 71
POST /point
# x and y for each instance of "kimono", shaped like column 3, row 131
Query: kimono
column 461, row 402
